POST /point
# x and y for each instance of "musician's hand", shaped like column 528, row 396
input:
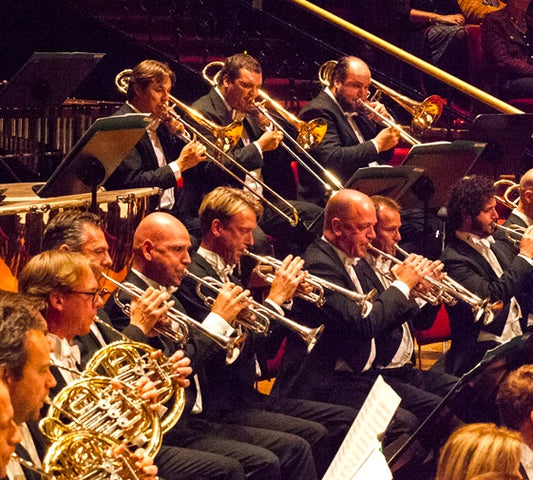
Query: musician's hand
column 191, row 155
column 149, row 309
column 230, row 301
column 182, row 366
column 412, row 270
column 436, row 273
column 387, row 138
column 526, row 245
column 456, row 19
column 379, row 108
column 287, row 279
column 145, row 464
column 147, row 390
column 270, row 140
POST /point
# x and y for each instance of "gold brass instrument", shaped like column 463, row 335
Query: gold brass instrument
column 317, row 284
column 310, row 133
column 128, row 361
column 513, row 233
column 105, row 406
column 448, row 291
column 178, row 328
column 257, row 317
column 227, row 137
column 84, row 455
column 425, row 114
column 511, row 190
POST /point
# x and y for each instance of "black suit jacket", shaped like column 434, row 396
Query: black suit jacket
column 340, row 151
column 203, row 178
column 465, row 265
column 140, row 169
column 225, row 388
column 388, row 341
column 347, row 336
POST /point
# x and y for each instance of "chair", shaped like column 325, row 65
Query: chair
column 439, row 332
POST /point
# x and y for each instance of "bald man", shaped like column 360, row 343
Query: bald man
column 340, row 368
column 353, row 139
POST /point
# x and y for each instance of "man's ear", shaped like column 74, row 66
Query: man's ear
column 64, row 248
column 216, row 227
column 336, row 226
column 147, row 248
column 56, row 300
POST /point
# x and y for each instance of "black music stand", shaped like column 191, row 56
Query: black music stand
column 473, row 397
column 44, row 82
column 507, row 136
column 96, row 155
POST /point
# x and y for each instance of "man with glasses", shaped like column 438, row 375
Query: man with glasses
column 352, row 139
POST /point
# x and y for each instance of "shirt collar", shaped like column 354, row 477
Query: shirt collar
column 475, row 240
column 236, row 115
column 218, row 264
column 62, row 348
column 528, row 221
column 152, row 283
column 343, row 257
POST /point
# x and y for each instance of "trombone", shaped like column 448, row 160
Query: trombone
column 316, row 295
column 425, row 114
column 178, row 328
column 514, row 233
column 226, row 137
column 449, row 291
column 511, row 188
column 256, row 316
column 310, row 133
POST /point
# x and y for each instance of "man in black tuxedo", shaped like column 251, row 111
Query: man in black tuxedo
column 484, row 267
column 352, row 139
column 160, row 257
column 258, row 151
column 394, row 345
column 227, row 218
column 159, row 158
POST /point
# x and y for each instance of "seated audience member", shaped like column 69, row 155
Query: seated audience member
column 515, row 405
column 475, row 10
column 159, row 158
column 506, row 43
column 9, row 433
column 482, row 266
column 353, row 139
column 480, row 448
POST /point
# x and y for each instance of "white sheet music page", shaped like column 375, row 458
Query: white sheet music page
column 359, row 456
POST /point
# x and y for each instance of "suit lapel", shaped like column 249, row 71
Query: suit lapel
column 368, row 277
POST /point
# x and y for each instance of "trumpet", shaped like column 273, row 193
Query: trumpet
column 514, row 233
column 256, row 316
column 226, row 138
column 310, row 133
column 425, row 114
column 449, row 291
column 317, row 285
column 511, row 189
column 178, row 328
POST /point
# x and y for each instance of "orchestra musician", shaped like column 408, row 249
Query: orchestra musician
column 160, row 257
column 9, row 433
column 484, row 267
column 352, row 139
column 159, row 158
column 258, row 151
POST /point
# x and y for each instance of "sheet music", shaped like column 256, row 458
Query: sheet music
column 362, row 441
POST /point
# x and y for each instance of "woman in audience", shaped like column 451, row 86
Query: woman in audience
column 480, row 448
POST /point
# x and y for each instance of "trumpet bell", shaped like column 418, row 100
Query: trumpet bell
column 312, row 133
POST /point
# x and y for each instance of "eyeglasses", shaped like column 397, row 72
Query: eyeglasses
column 98, row 293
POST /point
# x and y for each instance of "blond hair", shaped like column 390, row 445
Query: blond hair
column 479, row 448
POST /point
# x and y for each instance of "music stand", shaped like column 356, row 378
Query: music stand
column 473, row 397
column 507, row 136
column 96, row 155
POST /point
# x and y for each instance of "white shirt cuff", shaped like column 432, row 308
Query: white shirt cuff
column 215, row 323
column 375, row 145
column 275, row 306
column 175, row 168
column 527, row 259
column 258, row 148
column 402, row 287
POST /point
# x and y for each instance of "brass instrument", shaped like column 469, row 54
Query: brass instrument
column 448, row 291
column 316, row 295
column 511, row 189
column 178, row 328
column 514, row 233
column 310, row 133
column 84, row 455
column 104, row 406
column 425, row 114
column 128, row 361
column 226, row 137
column 255, row 316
